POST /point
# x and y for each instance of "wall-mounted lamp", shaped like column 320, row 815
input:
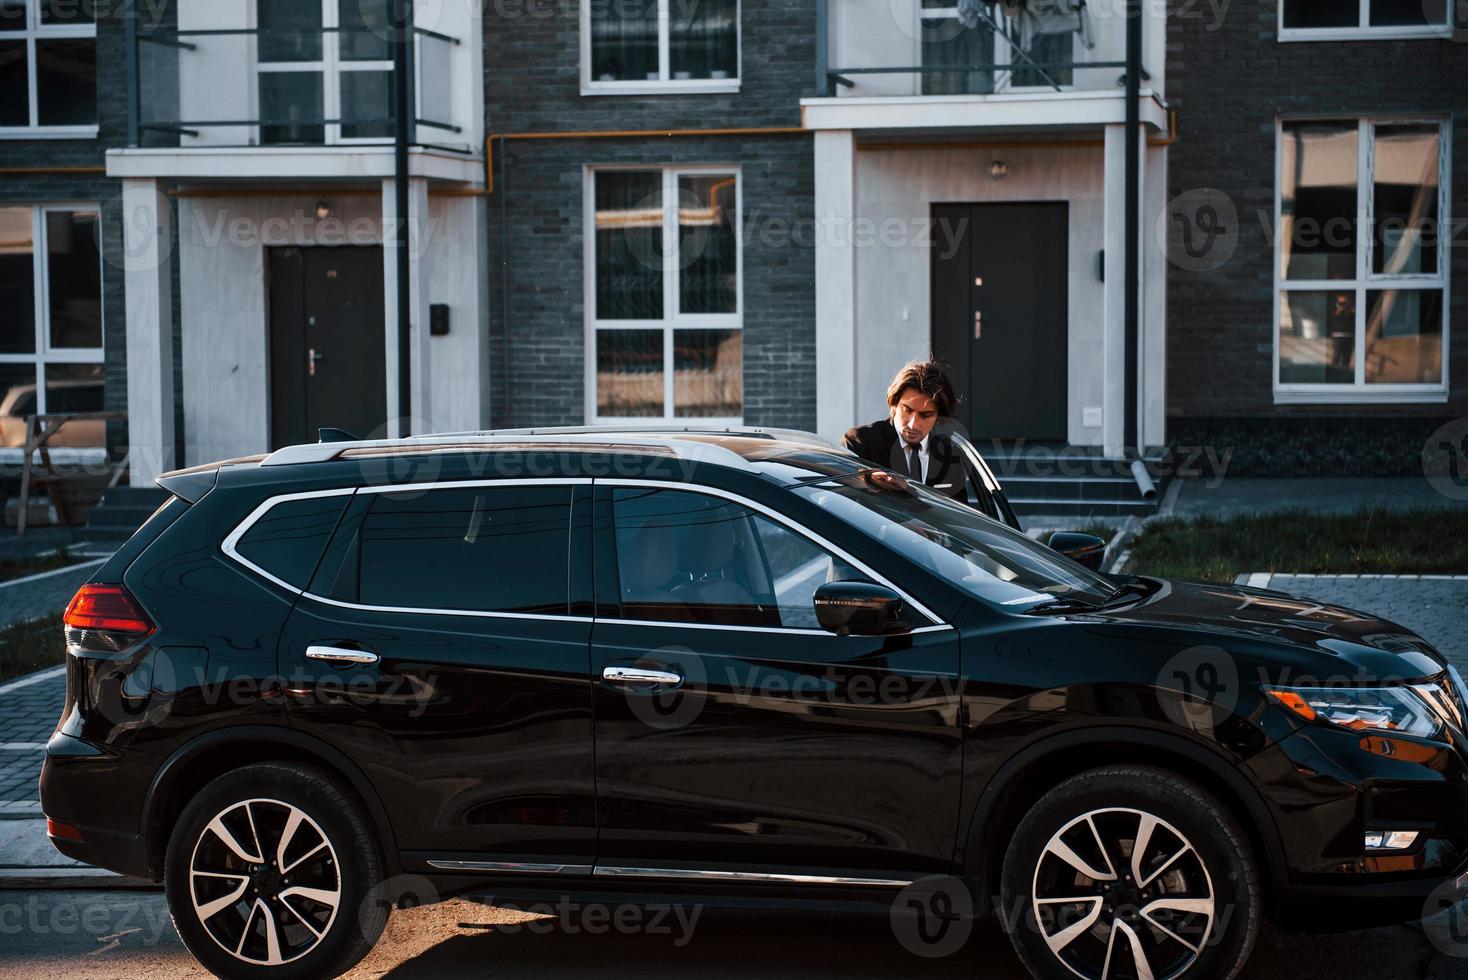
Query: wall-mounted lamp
column 998, row 170
column 323, row 209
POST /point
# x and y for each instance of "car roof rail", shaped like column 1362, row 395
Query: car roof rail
column 663, row 429
column 694, row 450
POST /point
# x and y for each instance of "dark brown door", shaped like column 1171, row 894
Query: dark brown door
column 999, row 315
column 328, row 360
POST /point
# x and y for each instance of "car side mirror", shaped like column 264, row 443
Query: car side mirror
column 1087, row 549
column 859, row 609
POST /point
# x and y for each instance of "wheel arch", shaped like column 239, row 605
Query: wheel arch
column 191, row 766
column 1027, row 775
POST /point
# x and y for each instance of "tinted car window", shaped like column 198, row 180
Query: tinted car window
column 687, row 557
column 288, row 540
column 486, row 549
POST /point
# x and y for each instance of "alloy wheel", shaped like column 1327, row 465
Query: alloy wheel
column 265, row 882
column 1120, row 893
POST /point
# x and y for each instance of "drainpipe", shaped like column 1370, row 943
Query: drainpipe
column 1132, row 227
column 402, row 24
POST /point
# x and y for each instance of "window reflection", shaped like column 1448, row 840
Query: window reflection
column 708, row 251
column 1318, row 201
column 1317, row 337
column 708, row 373
column 1404, row 336
column 629, row 373
column 1405, row 197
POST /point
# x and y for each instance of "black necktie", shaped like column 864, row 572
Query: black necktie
column 914, row 464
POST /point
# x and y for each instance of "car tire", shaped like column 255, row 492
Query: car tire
column 272, row 871
column 1076, row 896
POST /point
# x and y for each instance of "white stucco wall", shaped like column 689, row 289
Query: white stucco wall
column 457, row 274
column 222, row 296
column 224, row 303
column 893, row 303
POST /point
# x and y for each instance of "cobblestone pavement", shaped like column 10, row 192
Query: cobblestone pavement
column 1432, row 607
column 29, row 715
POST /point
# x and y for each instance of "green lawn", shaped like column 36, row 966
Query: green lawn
column 20, row 567
column 1368, row 541
column 31, row 645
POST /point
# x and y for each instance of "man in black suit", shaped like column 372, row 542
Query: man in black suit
column 905, row 442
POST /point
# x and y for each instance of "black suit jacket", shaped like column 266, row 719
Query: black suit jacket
column 880, row 445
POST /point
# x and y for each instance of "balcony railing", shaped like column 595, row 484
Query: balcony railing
column 955, row 47
column 262, row 87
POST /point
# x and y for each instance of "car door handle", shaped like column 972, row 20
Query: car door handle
column 339, row 655
column 636, row 675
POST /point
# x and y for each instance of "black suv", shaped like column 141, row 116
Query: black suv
column 732, row 668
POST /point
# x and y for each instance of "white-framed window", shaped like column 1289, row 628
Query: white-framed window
column 48, row 68
column 659, row 46
column 51, row 333
column 324, row 71
column 1361, row 260
column 664, row 294
column 1354, row 20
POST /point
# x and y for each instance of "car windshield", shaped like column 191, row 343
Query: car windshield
column 980, row 555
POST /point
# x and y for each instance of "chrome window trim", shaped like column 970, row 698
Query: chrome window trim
column 230, row 543
column 792, row 630
column 478, row 613
column 799, row 529
column 604, row 871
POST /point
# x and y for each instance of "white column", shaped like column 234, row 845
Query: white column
column 148, row 284
column 835, row 179
column 1113, row 429
column 418, row 238
column 1152, row 353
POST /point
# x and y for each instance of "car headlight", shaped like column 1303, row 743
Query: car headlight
column 1403, row 710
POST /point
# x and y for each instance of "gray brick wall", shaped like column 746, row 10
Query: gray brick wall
column 538, row 366
column 538, row 325
column 1229, row 79
column 43, row 171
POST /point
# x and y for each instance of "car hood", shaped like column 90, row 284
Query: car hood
column 1355, row 643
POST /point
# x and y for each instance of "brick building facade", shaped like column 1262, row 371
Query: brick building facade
column 1233, row 82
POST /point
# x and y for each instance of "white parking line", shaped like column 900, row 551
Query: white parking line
column 55, row 571
column 36, row 678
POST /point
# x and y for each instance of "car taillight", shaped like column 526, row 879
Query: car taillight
column 105, row 617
